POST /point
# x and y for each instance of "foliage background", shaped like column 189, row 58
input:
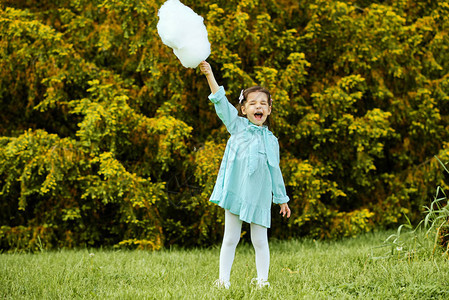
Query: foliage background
column 106, row 140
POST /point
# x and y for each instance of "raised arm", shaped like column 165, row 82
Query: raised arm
column 207, row 71
column 225, row 111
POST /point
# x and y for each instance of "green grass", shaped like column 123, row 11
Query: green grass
column 300, row 269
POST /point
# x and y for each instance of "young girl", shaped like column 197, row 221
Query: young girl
column 249, row 178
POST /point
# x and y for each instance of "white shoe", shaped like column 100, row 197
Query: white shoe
column 222, row 284
column 260, row 283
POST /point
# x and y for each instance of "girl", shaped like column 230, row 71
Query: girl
column 249, row 177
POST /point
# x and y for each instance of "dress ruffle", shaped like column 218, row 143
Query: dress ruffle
column 246, row 212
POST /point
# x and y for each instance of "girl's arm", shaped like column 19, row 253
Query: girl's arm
column 207, row 71
column 225, row 111
column 279, row 193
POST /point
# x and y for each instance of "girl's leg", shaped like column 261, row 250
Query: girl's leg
column 233, row 228
column 259, row 238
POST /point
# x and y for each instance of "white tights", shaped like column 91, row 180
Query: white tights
column 259, row 239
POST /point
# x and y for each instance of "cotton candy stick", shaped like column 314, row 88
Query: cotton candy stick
column 181, row 29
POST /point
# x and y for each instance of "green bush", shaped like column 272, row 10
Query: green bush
column 107, row 140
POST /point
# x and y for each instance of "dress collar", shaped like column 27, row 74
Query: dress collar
column 254, row 126
column 253, row 147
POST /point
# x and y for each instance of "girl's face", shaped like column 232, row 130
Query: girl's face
column 256, row 108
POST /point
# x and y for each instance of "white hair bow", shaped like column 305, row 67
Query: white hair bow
column 241, row 97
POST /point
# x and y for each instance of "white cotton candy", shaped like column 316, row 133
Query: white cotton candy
column 183, row 30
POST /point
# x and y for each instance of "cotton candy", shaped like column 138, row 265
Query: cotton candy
column 183, row 30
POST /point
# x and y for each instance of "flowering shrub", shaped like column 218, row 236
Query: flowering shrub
column 107, row 140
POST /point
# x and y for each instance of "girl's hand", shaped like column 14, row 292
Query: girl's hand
column 205, row 68
column 285, row 210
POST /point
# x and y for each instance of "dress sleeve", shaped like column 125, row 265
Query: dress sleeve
column 279, row 192
column 225, row 110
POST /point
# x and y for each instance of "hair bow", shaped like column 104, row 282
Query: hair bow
column 241, row 97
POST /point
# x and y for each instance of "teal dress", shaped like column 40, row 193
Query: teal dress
column 249, row 179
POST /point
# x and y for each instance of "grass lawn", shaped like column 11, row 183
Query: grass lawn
column 300, row 269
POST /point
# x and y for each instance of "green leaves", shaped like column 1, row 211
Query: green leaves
column 106, row 139
column 92, row 175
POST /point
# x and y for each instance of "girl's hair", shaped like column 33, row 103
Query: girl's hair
column 245, row 97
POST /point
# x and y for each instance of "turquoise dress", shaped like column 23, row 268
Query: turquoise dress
column 249, row 179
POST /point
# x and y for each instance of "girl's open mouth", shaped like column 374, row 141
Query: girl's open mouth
column 258, row 116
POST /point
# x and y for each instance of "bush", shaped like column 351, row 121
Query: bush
column 107, row 140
